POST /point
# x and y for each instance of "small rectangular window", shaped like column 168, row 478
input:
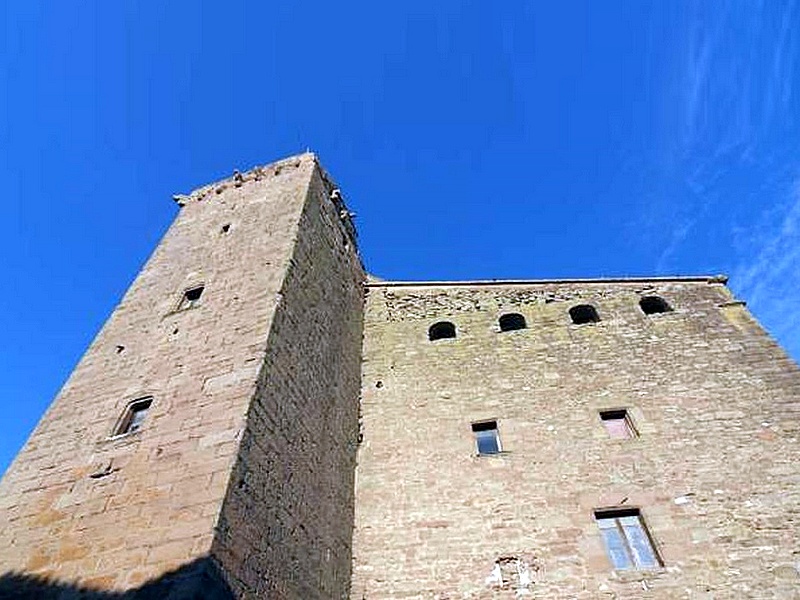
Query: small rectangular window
column 133, row 417
column 618, row 423
column 626, row 539
column 486, row 437
column 191, row 297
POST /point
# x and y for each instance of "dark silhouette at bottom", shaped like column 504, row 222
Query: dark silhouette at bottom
column 197, row 580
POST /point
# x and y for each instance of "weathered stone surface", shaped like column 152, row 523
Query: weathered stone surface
column 262, row 372
column 286, row 526
column 714, row 470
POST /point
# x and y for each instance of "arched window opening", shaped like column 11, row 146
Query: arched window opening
column 512, row 322
column 652, row 305
column 441, row 330
column 583, row 313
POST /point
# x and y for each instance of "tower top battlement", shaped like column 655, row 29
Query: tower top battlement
column 239, row 178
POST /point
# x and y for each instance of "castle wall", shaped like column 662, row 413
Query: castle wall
column 713, row 470
column 286, row 527
column 84, row 508
column 258, row 474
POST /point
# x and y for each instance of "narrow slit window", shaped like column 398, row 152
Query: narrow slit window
column 441, row 330
column 133, row 417
column 584, row 313
column 512, row 322
column 191, row 297
column 487, row 440
column 618, row 423
column 627, row 541
column 652, row 305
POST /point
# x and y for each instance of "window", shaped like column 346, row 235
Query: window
column 512, row 322
column 617, row 423
column 652, row 305
column 441, row 330
column 191, row 297
column 627, row 541
column 583, row 313
column 133, row 417
column 486, row 437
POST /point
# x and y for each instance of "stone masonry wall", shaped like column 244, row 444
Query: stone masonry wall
column 286, row 527
column 714, row 470
column 86, row 509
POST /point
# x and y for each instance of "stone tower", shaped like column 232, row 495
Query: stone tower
column 204, row 446
column 258, row 420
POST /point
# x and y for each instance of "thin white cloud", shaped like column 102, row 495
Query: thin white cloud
column 768, row 275
column 738, row 99
column 783, row 60
column 697, row 79
column 679, row 234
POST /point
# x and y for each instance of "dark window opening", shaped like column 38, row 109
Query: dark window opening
column 441, row 330
column 133, row 417
column 487, row 439
column 627, row 541
column 512, row 322
column 618, row 423
column 191, row 297
column 584, row 313
column 652, row 305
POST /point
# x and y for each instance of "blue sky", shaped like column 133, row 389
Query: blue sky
column 473, row 140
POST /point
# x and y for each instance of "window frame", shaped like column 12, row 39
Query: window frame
column 491, row 425
column 122, row 427
column 614, row 516
column 618, row 414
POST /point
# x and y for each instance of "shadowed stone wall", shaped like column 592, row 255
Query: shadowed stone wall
column 198, row 580
column 287, row 523
column 713, row 471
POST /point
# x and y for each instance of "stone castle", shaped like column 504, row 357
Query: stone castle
column 258, row 419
